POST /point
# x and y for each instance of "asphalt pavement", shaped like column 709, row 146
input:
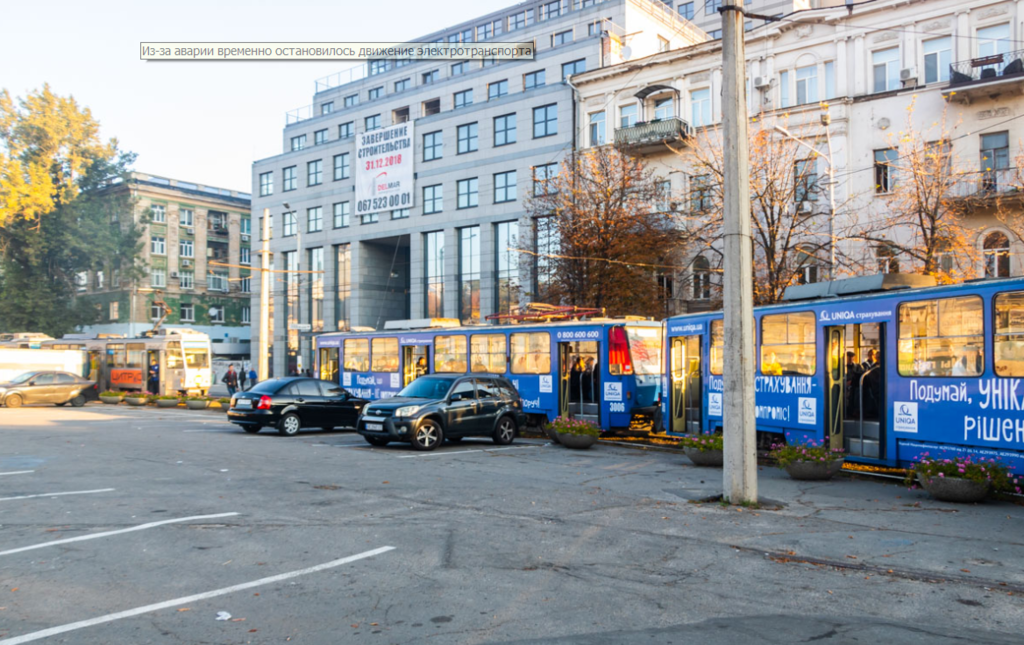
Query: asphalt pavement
column 124, row 525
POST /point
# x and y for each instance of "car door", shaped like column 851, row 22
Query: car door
column 42, row 388
column 311, row 403
column 463, row 418
column 66, row 386
column 340, row 408
column 489, row 401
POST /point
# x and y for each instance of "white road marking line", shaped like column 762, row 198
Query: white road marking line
column 462, row 452
column 74, row 492
column 93, row 536
column 18, row 472
column 63, row 629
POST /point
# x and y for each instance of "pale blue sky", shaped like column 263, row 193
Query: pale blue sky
column 204, row 122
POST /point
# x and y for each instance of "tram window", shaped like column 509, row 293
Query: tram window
column 787, row 344
column 717, row 345
column 115, row 355
column 136, row 355
column 196, row 358
column 942, row 337
column 357, row 354
column 450, row 354
column 531, row 353
column 488, row 353
column 645, row 349
column 385, row 355
column 1009, row 334
column 174, row 356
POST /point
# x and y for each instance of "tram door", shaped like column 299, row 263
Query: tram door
column 579, row 380
column 415, row 362
column 686, row 390
column 836, row 370
column 329, row 364
column 153, row 358
column 856, row 388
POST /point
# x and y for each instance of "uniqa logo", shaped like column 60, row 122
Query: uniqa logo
column 904, row 410
column 806, row 405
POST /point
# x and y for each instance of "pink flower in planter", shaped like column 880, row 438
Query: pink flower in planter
column 942, row 474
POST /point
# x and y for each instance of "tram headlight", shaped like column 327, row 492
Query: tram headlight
column 407, row 411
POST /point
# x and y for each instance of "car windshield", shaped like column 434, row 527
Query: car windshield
column 427, row 388
column 21, row 378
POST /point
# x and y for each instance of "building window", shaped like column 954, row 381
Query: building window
column 520, row 20
column 488, row 62
column 701, row 278
column 995, row 159
column 246, row 284
column 467, row 193
column 573, row 67
column 351, row 100
column 469, row 274
column 372, row 122
column 533, row 80
column 314, row 172
column 497, row 89
column 561, row 38
column 467, row 138
column 186, row 249
column 433, row 276
column 289, row 179
column 885, row 69
column 341, row 166
column 244, row 255
column 663, row 109
column 886, row 259
column 245, row 226
column 938, row 53
column 433, row 106
column 545, row 121
column 711, row 7
column 341, row 213
column 327, row 108
column 463, row 98
column 805, row 180
column 156, row 312
column 403, row 85
column 597, row 130
column 433, row 199
column 314, row 219
column 628, row 115
column 289, row 224
column 700, row 194
column 342, row 280
column 368, row 218
column 157, row 278
column 700, row 107
column 993, row 41
column 541, row 178
column 464, row 36
column 997, row 255
column 346, row 130
column 187, row 279
column 299, row 142
column 595, row 28
column 460, row 68
column 379, row 66
column 686, row 10
column 548, row 245
column 186, row 217
column 374, row 93
column 504, row 129
column 320, row 137
column 505, row 187
column 885, row 169
column 715, row 34
column 216, row 313
column 159, row 212
column 157, row 245
column 807, row 84
column 426, row 78
column 114, row 307
column 246, row 315
column 401, row 213
column 186, row 311
column 266, row 184
column 433, row 146
column 315, row 292
column 507, row 262
column 400, row 115
column 551, row 10
column 99, row 280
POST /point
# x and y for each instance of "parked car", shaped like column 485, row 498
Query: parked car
column 445, row 406
column 58, row 388
column 292, row 403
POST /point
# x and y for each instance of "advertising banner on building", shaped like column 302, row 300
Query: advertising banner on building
column 384, row 169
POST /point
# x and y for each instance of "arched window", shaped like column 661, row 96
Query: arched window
column 886, row 259
column 701, row 278
column 997, row 255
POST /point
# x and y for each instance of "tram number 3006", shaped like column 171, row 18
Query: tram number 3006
column 579, row 335
column 400, row 200
column 616, row 407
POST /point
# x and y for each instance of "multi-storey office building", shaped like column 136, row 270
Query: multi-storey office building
column 487, row 134
column 959, row 64
column 196, row 247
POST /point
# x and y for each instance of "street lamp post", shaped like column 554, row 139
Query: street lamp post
column 826, row 120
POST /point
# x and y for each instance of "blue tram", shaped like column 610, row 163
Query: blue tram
column 888, row 367
column 607, row 371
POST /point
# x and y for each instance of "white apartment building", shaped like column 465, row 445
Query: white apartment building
column 486, row 132
column 959, row 63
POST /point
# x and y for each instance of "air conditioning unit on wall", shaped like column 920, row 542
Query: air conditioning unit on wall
column 806, row 208
column 908, row 76
column 762, row 82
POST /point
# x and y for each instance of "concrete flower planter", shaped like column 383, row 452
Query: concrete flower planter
column 576, row 441
column 111, row 400
column 167, row 403
column 814, row 470
column 953, row 489
column 137, row 400
column 707, row 458
column 550, row 432
column 197, row 405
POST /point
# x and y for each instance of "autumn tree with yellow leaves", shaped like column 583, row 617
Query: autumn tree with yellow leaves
column 55, row 214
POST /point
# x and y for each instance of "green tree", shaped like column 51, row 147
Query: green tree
column 59, row 211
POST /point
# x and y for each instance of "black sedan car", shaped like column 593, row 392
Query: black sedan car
column 58, row 388
column 293, row 403
column 445, row 406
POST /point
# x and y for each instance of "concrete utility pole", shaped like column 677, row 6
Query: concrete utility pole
column 739, row 434
column 265, row 277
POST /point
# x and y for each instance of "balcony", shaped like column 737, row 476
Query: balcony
column 652, row 134
column 985, row 77
column 988, row 184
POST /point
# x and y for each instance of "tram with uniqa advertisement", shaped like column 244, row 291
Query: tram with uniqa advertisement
column 607, row 371
column 888, row 367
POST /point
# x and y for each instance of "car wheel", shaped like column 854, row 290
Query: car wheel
column 505, row 433
column 252, row 429
column 453, row 439
column 380, row 442
column 78, row 401
column 289, row 425
column 14, row 401
column 427, row 436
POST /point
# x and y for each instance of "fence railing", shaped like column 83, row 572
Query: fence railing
column 988, row 183
column 987, row 68
column 648, row 132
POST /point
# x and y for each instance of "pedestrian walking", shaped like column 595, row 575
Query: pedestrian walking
column 252, row 378
column 231, row 380
column 242, row 375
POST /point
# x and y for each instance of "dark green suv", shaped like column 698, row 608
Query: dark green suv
column 441, row 407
